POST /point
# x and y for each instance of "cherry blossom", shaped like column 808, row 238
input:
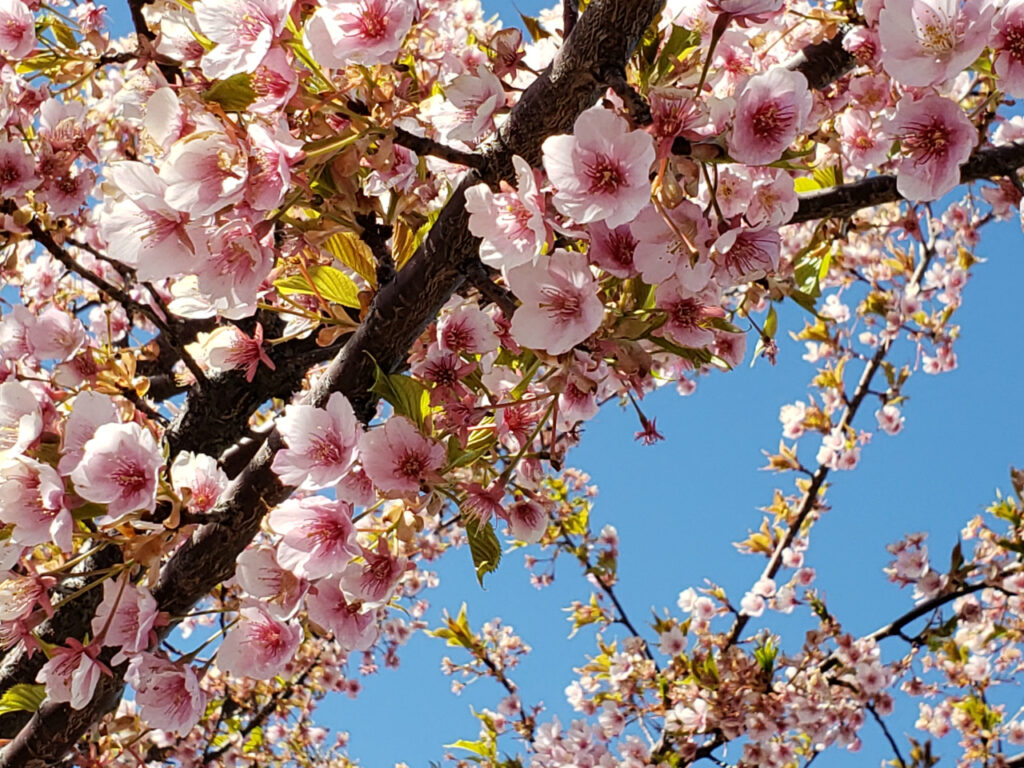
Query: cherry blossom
column 262, row 577
column 1009, row 47
column 32, row 498
column 560, row 307
column 926, row 42
column 344, row 32
column 936, row 138
column 398, row 459
column 18, row 36
column 259, row 645
column 168, row 694
column 71, row 674
column 243, row 31
column 511, row 223
column 21, row 420
column 17, row 171
column 771, row 111
column 320, row 443
column 600, row 172
column 119, row 468
column 200, row 476
column 125, row 618
column 354, row 628
column 318, row 538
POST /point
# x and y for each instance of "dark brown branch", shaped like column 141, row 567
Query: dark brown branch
column 604, row 37
column 570, row 12
column 424, row 146
column 479, row 277
column 823, row 63
column 840, row 202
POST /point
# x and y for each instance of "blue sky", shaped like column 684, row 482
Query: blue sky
column 678, row 506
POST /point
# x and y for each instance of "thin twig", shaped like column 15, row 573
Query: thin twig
column 424, row 146
column 885, row 729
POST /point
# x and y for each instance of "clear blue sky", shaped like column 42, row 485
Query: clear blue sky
column 678, row 506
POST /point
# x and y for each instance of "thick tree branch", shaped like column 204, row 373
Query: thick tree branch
column 604, row 38
column 846, row 200
column 823, row 63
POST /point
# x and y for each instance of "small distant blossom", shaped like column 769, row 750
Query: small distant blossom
column 228, row 347
column 367, row 32
column 510, row 222
column 771, row 110
column 560, row 307
column 672, row 642
column 926, row 42
column 119, row 468
column 527, row 521
column 936, row 138
column 890, row 420
column 259, row 645
column 320, row 442
column 600, row 172
column 398, row 459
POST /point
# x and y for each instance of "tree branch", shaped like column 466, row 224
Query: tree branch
column 604, row 37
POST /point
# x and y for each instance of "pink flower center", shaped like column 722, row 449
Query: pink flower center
column 685, row 312
column 131, row 477
column 373, row 23
column 328, row 533
column 745, row 256
column 411, row 465
column 928, row 142
column 606, row 175
column 1013, row 42
column 252, row 24
column 771, row 120
column 269, row 639
column 458, row 337
column 561, row 304
column 621, row 246
column 324, row 450
column 9, row 173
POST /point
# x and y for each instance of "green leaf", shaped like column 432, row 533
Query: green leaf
column 333, row 284
column 63, row 33
column 477, row 747
column 407, row 396
column 22, row 697
column 828, row 177
column 484, row 546
column 353, row 253
column 234, row 94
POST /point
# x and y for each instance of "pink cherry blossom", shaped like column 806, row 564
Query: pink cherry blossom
column 125, row 618
column 560, row 307
column 274, row 82
column 17, row 170
column 320, row 443
column 686, row 311
column 201, row 477
column 21, row 419
column 936, row 138
column 141, row 229
column 32, row 499
column 71, row 674
column 259, row 645
column 398, row 459
column 373, row 581
column 236, row 262
column 368, row 32
column 890, row 420
column 167, row 694
column 354, row 628
column 271, row 156
column 17, row 29
column 471, row 103
column 746, row 253
column 771, row 110
column 673, row 242
column 260, row 575
column 317, row 536
column 926, row 42
column 612, row 249
column 1009, row 47
column 746, row 12
column 774, row 200
column 55, row 334
column 862, row 142
column 527, row 521
column 243, row 31
column 511, row 223
column 467, row 329
column 119, row 468
column 88, row 411
column 600, row 172
column 228, row 348
column 205, row 172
